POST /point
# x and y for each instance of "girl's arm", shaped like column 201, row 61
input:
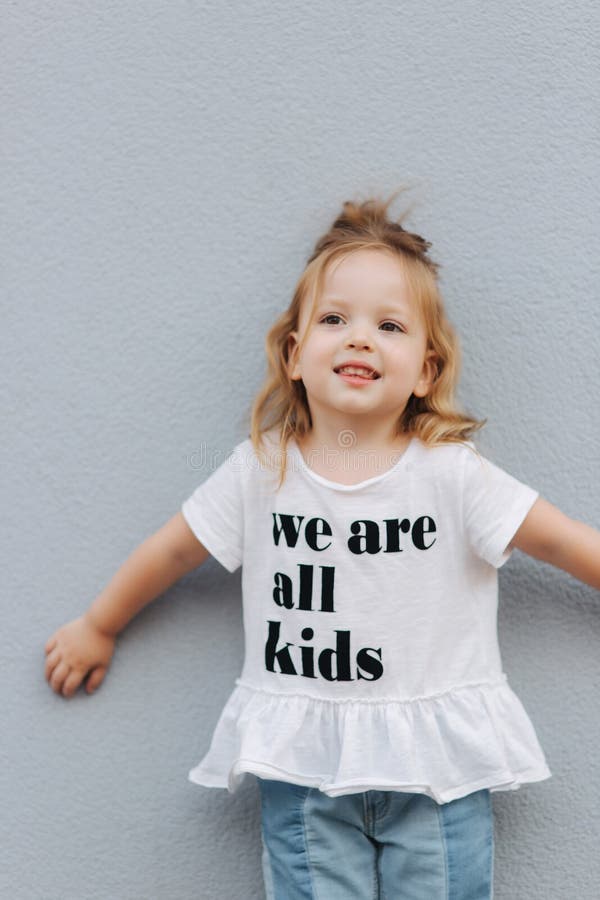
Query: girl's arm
column 550, row 535
column 85, row 645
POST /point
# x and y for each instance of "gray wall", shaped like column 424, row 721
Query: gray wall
column 168, row 167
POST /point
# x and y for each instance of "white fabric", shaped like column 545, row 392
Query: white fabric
column 371, row 649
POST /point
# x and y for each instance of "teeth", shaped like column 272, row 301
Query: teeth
column 356, row 370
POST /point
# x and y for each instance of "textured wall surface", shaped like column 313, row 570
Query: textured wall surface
column 168, row 167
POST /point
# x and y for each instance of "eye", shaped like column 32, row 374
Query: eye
column 331, row 319
column 391, row 326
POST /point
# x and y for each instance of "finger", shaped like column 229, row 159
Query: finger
column 52, row 660
column 96, row 678
column 58, row 676
column 71, row 683
column 50, row 644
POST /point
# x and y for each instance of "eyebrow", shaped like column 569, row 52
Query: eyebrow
column 387, row 305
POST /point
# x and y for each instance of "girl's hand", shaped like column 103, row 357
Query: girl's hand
column 77, row 649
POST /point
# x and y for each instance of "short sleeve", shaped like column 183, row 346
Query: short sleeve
column 215, row 513
column 495, row 505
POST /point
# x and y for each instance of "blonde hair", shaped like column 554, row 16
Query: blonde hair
column 282, row 404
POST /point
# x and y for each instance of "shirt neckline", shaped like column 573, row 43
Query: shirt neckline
column 338, row 486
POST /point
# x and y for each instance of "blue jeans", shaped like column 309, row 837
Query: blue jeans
column 377, row 845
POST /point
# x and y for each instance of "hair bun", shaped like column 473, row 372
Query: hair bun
column 368, row 222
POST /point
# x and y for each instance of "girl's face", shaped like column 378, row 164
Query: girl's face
column 365, row 352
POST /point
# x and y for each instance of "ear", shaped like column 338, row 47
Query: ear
column 293, row 366
column 428, row 375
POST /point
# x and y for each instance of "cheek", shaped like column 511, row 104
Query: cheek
column 317, row 350
column 416, row 353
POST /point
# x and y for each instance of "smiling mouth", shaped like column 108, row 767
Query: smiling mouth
column 360, row 371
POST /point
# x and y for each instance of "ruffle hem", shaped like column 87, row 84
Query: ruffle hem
column 445, row 745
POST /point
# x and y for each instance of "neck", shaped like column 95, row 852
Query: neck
column 358, row 435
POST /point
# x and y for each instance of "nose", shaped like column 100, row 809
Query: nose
column 359, row 340
column 359, row 335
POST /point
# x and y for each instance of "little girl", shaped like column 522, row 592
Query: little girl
column 372, row 706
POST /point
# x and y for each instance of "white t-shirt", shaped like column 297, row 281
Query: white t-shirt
column 371, row 649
